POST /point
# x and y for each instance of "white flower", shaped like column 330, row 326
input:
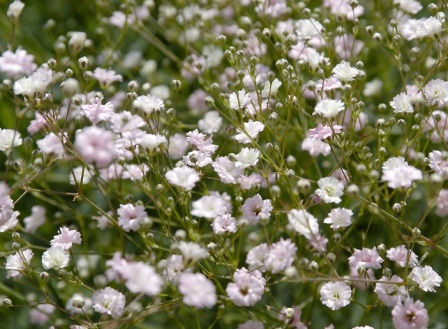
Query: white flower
column 16, row 264
column 339, row 218
column 239, row 101
column 329, row 108
column 9, row 138
column 429, row 27
column 402, row 104
column 35, row 220
column 250, row 131
column 409, row 6
column 303, row 223
column 401, row 177
column 330, row 190
column 344, row 72
column 211, row 206
column 152, row 142
column 335, row 295
column 142, row 278
column 184, row 177
column 198, row 291
column 109, row 301
column 55, row 257
column 426, row 278
column 247, row 157
column 211, row 122
column 148, row 103
column 192, row 252
column 271, row 88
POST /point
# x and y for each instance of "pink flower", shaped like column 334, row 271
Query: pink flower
column 66, row 238
column 247, row 288
column 438, row 163
column 198, row 291
column 402, row 256
column 367, row 258
column 130, row 216
column 442, row 203
column 410, row 315
column 51, row 144
column 256, row 257
column 17, row 64
column 227, row 171
column 109, row 301
column 224, row 224
column 280, row 255
column 96, row 145
column 97, row 112
column 106, row 77
column 256, row 208
column 391, row 291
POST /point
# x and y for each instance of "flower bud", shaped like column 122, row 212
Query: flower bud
column 76, row 42
column 14, row 10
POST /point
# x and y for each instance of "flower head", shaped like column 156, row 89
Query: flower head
column 335, row 295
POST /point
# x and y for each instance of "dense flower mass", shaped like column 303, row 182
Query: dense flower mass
column 224, row 164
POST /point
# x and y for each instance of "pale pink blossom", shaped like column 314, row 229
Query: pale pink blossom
column 227, row 170
column 365, row 258
column 402, row 256
column 391, row 291
column 96, row 112
column 66, row 238
column 410, row 315
column 51, row 144
column 280, row 255
column 256, row 208
column 106, row 77
column 256, row 257
column 17, row 64
column 130, row 217
column 247, row 288
column 95, row 145
column 223, row 224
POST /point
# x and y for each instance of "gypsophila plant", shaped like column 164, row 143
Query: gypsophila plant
column 224, row 164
